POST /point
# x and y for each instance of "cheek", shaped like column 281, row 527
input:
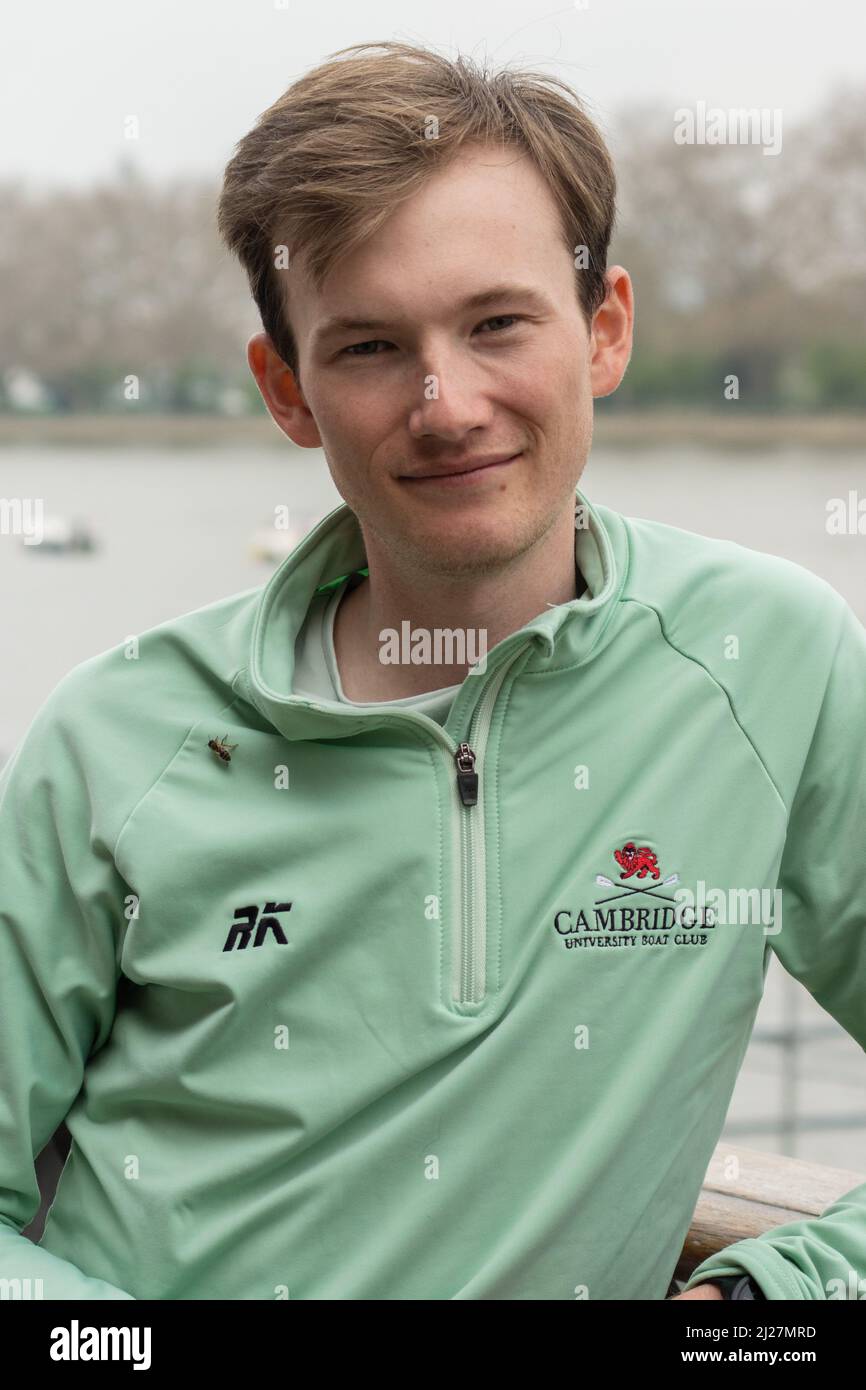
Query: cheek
column 550, row 384
column 555, row 402
column 346, row 420
column 356, row 437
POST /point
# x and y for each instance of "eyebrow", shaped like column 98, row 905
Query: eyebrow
column 482, row 299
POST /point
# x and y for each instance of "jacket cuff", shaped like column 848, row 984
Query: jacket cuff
column 772, row 1273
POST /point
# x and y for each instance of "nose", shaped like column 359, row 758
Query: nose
column 451, row 399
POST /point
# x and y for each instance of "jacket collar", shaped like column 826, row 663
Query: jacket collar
column 562, row 636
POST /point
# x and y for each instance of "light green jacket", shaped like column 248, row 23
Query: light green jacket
column 322, row 1028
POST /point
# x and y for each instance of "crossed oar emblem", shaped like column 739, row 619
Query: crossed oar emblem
column 624, row 893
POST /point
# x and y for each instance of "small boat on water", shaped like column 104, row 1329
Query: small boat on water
column 61, row 535
column 273, row 543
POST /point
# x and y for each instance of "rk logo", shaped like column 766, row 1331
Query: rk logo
column 248, row 917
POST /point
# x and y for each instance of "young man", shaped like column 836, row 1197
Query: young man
column 389, row 929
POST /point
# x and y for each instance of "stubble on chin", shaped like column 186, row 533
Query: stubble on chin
column 458, row 550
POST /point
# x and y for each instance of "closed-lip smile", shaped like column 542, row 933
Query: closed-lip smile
column 459, row 469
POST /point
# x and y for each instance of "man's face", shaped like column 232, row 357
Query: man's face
column 430, row 381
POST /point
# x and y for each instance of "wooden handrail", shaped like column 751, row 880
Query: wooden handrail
column 747, row 1192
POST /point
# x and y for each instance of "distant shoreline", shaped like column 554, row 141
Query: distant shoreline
column 644, row 429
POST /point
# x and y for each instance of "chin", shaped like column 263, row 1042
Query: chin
column 467, row 550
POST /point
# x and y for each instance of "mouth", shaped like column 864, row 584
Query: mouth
column 462, row 475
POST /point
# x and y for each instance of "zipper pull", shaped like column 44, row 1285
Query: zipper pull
column 467, row 779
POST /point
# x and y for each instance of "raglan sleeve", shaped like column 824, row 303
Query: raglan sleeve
column 60, row 898
column 822, row 943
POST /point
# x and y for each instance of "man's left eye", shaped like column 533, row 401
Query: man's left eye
column 498, row 318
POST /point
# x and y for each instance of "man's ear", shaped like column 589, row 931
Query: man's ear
column 281, row 392
column 611, row 335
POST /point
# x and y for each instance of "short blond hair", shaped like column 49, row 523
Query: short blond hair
column 326, row 164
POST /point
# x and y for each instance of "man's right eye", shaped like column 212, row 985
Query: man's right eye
column 353, row 349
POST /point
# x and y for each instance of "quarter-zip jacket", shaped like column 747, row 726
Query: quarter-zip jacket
column 387, row 1009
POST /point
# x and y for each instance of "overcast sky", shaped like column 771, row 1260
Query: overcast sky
column 197, row 74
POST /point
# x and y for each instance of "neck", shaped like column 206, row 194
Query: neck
column 482, row 610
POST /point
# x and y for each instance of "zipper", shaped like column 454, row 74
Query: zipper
column 469, row 939
column 469, row 943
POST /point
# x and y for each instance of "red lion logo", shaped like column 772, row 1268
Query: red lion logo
column 636, row 861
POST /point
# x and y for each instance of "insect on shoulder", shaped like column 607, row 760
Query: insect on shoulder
column 222, row 747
